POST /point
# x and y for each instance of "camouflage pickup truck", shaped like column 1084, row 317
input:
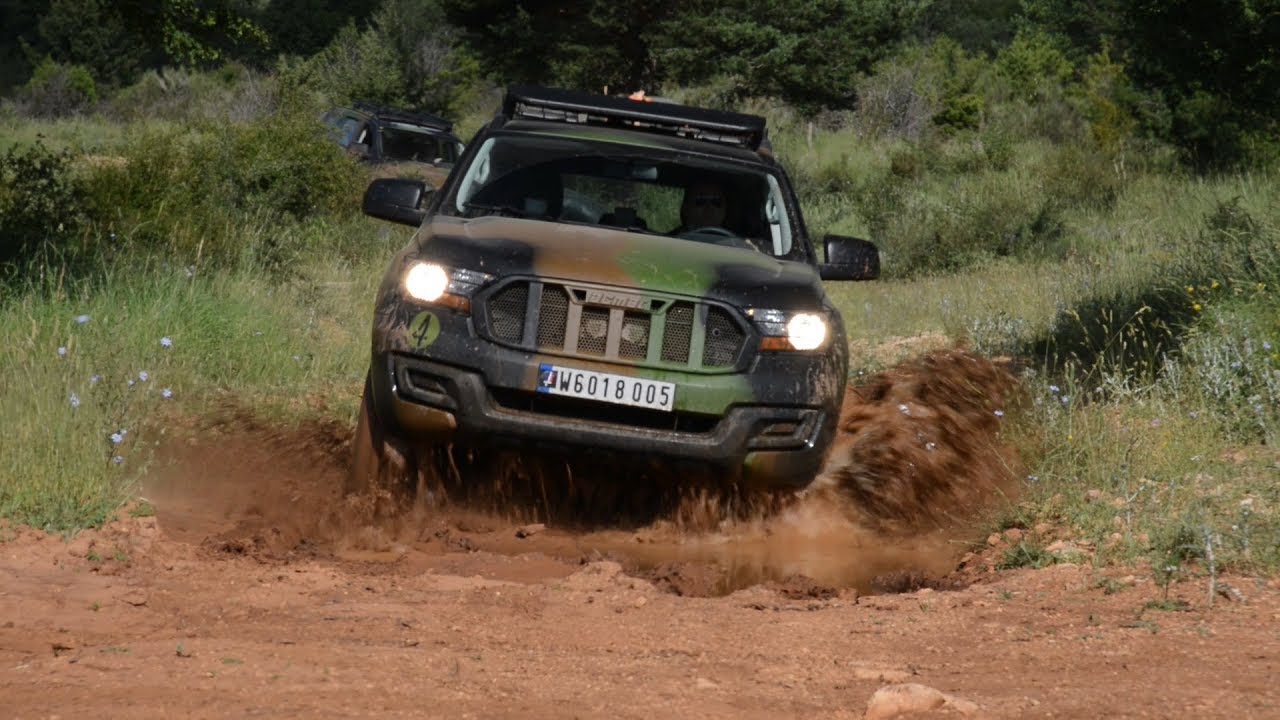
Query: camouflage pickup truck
column 607, row 273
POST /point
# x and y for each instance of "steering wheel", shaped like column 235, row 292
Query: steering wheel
column 712, row 230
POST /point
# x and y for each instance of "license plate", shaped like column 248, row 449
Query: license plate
column 606, row 387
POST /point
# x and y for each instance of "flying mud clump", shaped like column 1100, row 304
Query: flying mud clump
column 920, row 445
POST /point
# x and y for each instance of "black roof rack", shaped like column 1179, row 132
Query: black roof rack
column 572, row 106
column 392, row 113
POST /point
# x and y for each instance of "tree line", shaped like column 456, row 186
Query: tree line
column 1202, row 74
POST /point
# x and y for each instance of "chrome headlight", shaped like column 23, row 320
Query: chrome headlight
column 790, row 330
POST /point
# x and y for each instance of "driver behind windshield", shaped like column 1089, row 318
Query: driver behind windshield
column 704, row 206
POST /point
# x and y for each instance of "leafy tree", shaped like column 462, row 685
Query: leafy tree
column 408, row 56
column 94, row 34
column 118, row 39
column 356, row 65
column 304, row 27
column 1219, row 62
column 194, row 33
column 1215, row 64
column 977, row 25
column 595, row 44
column 19, row 39
column 435, row 70
column 1031, row 60
column 807, row 52
column 1087, row 25
column 810, row 53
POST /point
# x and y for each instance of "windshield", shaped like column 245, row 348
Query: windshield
column 410, row 143
column 641, row 189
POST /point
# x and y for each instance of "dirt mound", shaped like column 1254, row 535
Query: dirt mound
column 920, row 447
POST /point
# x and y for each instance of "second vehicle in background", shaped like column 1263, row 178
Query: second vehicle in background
column 397, row 142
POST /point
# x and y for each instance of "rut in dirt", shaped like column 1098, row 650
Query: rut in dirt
column 919, row 458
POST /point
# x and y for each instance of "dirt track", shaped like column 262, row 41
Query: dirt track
column 257, row 590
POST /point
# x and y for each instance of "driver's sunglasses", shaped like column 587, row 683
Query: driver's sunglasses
column 708, row 201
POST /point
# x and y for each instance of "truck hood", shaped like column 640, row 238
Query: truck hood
column 587, row 253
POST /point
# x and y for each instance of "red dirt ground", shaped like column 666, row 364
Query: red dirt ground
column 256, row 590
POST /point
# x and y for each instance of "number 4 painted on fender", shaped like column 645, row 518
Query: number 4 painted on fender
column 424, row 329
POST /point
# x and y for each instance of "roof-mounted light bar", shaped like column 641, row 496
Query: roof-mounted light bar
column 570, row 106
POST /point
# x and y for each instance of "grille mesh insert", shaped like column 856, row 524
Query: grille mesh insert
column 679, row 333
column 553, row 317
column 593, row 332
column 635, row 336
column 724, row 338
column 506, row 312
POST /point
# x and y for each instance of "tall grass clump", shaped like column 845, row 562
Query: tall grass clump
column 98, row 371
column 1158, row 406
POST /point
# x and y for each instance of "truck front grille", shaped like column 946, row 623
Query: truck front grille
column 648, row 330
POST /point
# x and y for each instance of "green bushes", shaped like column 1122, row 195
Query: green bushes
column 56, row 90
column 231, row 94
column 1231, row 362
column 188, row 194
column 196, row 193
column 41, row 205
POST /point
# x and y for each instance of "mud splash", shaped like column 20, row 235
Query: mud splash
column 919, row 459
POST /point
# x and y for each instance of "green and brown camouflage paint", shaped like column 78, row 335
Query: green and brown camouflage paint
column 739, row 404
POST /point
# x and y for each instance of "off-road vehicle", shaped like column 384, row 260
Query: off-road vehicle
column 565, row 290
column 396, row 142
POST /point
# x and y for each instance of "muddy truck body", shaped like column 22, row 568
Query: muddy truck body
column 555, row 295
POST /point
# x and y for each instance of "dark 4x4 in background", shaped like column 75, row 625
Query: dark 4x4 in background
column 598, row 272
column 399, row 142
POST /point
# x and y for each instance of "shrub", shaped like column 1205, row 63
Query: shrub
column 41, row 204
column 282, row 166
column 189, row 191
column 890, row 104
column 1078, row 176
column 57, row 90
column 229, row 93
column 1032, row 62
column 355, row 66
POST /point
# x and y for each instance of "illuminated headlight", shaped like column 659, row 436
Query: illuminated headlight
column 429, row 282
column 426, row 282
column 786, row 330
column 806, row 331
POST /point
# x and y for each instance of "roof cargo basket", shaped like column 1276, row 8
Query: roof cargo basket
column 569, row 106
column 391, row 113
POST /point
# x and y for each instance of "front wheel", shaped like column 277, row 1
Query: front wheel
column 379, row 463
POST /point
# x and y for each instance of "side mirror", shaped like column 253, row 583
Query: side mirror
column 360, row 150
column 396, row 199
column 850, row 258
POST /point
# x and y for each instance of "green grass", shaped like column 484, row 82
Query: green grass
column 77, row 134
column 281, row 346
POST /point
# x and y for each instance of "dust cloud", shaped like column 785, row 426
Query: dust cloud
column 919, row 459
